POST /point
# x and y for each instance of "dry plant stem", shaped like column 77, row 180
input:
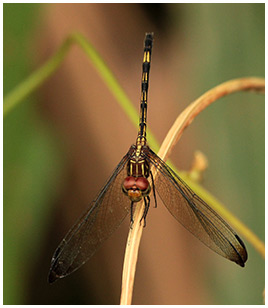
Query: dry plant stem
column 131, row 256
column 174, row 134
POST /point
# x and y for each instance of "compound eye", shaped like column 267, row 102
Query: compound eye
column 142, row 183
column 129, row 182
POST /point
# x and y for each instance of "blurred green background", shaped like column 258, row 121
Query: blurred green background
column 216, row 42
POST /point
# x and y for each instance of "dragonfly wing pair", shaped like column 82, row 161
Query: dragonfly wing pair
column 101, row 219
column 195, row 215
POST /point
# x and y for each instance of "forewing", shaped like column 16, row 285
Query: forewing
column 100, row 220
column 195, row 215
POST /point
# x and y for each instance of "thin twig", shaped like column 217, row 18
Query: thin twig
column 174, row 134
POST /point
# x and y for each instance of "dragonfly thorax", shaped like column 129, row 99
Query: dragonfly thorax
column 138, row 165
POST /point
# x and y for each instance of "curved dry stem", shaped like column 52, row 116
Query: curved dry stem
column 188, row 115
column 174, row 134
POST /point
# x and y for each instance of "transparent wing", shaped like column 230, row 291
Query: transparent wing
column 100, row 220
column 195, row 215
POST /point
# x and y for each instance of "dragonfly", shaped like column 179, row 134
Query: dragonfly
column 131, row 182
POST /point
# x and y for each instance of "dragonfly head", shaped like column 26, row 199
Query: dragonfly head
column 136, row 188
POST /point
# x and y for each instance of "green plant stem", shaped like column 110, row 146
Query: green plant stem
column 42, row 74
column 35, row 80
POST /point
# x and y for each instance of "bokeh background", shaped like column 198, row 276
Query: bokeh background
column 62, row 143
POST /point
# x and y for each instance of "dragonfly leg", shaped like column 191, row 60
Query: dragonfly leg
column 131, row 214
column 146, row 208
column 153, row 189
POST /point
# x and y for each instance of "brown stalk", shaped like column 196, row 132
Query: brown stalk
column 174, row 134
